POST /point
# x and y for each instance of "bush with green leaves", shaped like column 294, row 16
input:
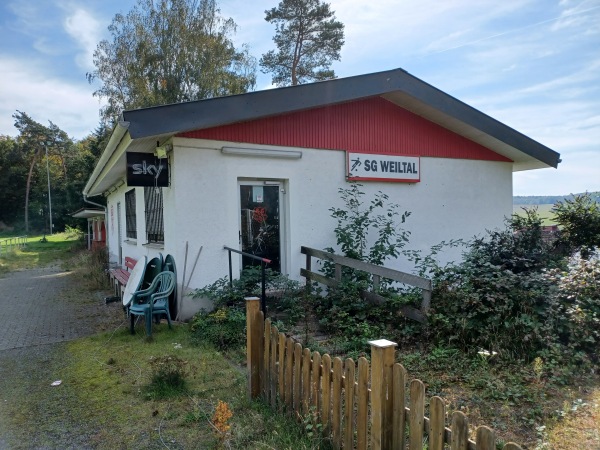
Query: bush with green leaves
column 225, row 327
column 575, row 303
column 497, row 297
column 515, row 295
column 579, row 220
column 370, row 231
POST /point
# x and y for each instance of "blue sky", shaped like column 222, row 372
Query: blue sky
column 532, row 64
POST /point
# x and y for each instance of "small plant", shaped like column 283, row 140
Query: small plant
column 225, row 328
column 168, row 377
column 313, row 428
column 220, row 420
column 538, row 368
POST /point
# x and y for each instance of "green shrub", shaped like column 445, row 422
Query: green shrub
column 579, row 220
column 225, row 328
column 515, row 295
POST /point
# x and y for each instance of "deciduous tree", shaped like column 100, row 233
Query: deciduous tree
column 169, row 51
column 308, row 39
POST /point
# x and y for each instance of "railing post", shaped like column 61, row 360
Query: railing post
column 263, row 292
column 254, row 330
column 382, row 361
column 230, row 269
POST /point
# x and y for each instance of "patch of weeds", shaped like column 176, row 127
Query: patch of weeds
column 168, row 377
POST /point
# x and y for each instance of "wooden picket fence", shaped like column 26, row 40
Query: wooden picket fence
column 340, row 400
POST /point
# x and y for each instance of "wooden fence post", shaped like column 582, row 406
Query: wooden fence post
column 382, row 361
column 254, row 330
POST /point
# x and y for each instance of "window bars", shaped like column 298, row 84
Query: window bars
column 130, row 216
column 153, row 199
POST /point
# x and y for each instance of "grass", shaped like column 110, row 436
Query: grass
column 110, row 396
column 59, row 247
column 107, row 391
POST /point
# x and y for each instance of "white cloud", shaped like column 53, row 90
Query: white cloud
column 86, row 32
column 24, row 87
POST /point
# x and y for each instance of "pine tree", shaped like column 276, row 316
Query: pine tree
column 308, row 39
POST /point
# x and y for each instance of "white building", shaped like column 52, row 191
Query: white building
column 259, row 171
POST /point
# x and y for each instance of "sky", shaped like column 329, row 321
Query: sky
column 531, row 64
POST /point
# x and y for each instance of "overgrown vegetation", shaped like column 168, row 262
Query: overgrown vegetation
column 513, row 331
column 119, row 391
column 225, row 326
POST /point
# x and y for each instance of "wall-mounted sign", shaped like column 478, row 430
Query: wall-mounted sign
column 144, row 169
column 382, row 167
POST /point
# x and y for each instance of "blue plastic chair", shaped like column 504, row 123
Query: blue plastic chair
column 152, row 301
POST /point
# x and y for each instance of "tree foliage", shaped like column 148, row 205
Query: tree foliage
column 24, row 186
column 579, row 219
column 169, row 51
column 308, row 39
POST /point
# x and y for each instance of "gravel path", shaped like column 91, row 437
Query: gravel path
column 40, row 310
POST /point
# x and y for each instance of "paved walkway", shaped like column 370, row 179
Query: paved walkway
column 45, row 306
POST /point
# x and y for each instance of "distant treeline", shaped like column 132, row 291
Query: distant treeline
column 548, row 199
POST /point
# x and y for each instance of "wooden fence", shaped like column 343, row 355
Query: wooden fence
column 10, row 244
column 343, row 403
column 377, row 272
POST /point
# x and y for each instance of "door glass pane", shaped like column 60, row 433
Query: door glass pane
column 260, row 224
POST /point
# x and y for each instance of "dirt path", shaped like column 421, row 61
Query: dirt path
column 40, row 310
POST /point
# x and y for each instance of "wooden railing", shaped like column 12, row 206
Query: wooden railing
column 10, row 244
column 338, row 397
column 377, row 273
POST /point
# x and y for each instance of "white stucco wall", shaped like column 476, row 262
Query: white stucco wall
column 455, row 199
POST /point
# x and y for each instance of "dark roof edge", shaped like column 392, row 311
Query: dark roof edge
column 435, row 98
column 181, row 117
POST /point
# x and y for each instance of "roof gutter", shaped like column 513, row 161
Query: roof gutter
column 117, row 135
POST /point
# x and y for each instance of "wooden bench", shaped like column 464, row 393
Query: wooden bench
column 120, row 276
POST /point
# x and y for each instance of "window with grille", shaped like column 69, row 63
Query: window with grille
column 154, row 214
column 130, row 218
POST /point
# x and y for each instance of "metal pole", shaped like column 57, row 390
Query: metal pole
column 49, row 196
column 230, row 270
column 263, row 298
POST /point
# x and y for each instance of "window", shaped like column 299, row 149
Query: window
column 130, row 218
column 154, row 214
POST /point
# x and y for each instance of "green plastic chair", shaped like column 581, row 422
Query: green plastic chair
column 152, row 301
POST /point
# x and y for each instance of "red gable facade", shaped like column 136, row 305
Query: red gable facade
column 373, row 125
